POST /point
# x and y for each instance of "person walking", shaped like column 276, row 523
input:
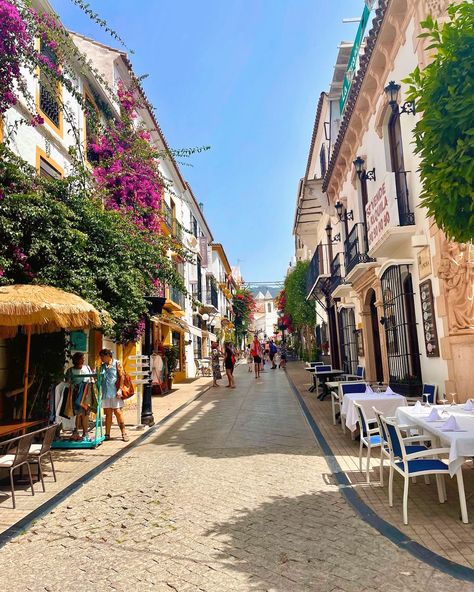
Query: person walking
column 229, row 363
column 273, row 350
column 215, row 363
column 249, row 357
column 111, row 380
column 256, row 350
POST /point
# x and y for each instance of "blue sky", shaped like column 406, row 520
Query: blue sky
column 242, row 76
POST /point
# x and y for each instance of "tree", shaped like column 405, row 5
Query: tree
column 298, row 311
column 444, row 136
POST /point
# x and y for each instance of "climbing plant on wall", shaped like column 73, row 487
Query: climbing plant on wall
column 444, row 135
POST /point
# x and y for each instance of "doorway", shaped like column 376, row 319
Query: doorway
column 376, row 337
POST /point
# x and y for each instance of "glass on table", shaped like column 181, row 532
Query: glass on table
column 453, row 398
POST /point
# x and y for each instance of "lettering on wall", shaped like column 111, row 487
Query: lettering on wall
column 424, row 262
column 381, row 211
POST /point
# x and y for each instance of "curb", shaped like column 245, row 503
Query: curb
column 24, row 523
column 396, row 536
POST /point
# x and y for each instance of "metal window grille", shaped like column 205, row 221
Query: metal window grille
column 348, row 340
column 400, row 330
column 49, row 103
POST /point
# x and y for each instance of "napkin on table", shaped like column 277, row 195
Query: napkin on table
column 389, row 391
column 368, row 390
column 433, row 416
column 451, row 425
column 468, row 406
column 418, row 407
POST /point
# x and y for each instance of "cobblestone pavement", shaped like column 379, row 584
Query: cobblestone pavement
column 232, row 495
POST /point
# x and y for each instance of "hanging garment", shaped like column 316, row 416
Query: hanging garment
column 156, row 366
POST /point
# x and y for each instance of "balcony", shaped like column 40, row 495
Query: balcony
column 356, row 250
column 212, row 298
column 196, row 292
column 175, row 301
column 318, row 272
column 390, row 218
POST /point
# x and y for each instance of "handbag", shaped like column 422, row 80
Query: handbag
column 128, row 390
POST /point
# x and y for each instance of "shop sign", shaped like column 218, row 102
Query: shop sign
column 424, row 263
column 381, row 211
column 429, row 320
column 78, row 341
column 353, row 62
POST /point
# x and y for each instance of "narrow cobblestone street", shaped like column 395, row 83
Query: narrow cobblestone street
column 232, row 495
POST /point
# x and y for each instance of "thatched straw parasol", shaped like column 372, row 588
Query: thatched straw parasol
column 42, row 309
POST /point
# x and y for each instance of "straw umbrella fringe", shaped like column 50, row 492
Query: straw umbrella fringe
column 42, row 309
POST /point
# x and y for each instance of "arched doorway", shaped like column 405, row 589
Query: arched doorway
column 374, row 321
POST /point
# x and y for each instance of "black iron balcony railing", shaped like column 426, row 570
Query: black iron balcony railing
column 212, row 296
column 196, row 292
column 336, row 272
column 167, row 215
column 318, row 267
column 405, row 214
column 176, row 296
column 356, row 247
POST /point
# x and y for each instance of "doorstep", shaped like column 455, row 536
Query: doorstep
column 435, row 526
column 73, row 465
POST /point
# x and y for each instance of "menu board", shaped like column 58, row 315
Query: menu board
column 429, row 320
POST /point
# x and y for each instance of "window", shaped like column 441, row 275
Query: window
column 322, row 160
column 400, row 330
column 194, row 226
column 91, row 115
column 49, row 103
column 269, row 307
column 348, row 340
column 176, row 342
column 46, row 167
column 197, row 346
column 406, row 216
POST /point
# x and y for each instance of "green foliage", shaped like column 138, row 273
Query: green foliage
column 53, row 232
column 301, row 311
column 444, row 137
column 172, row 357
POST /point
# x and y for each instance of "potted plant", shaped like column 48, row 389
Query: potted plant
column 172, row 357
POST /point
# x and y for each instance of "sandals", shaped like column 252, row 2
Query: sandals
column 107, row 437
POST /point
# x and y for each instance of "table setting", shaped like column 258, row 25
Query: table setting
column 452, row 425
column 386, row 401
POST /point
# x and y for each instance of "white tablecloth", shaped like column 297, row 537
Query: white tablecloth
column 386, row 403
column 460, row 444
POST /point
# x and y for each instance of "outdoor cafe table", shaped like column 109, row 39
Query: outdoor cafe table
column 324, row 374
column 387, row 403
column 6, row 429
column 460, row 444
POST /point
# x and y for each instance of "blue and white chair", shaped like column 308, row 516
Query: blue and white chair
column 410, row 445
column 317, row 370
column 416, row 464
column 350, row 386
column 359, row 374
column 369, row 437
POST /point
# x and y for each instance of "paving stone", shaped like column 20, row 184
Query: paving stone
column 231, row 495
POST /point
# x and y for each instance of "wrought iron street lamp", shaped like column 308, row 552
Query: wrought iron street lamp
column 361, row 172
column 392, row 91
column 342, row 213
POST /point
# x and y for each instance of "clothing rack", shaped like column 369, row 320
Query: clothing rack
column 99, row 436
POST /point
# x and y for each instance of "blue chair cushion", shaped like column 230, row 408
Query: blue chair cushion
column 413, row 449
column 424, row 464
column 375, row 440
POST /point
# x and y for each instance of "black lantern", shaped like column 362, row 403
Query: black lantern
column 392, row 91
column 328, row 230
column 343, row 216
column 361, row 172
